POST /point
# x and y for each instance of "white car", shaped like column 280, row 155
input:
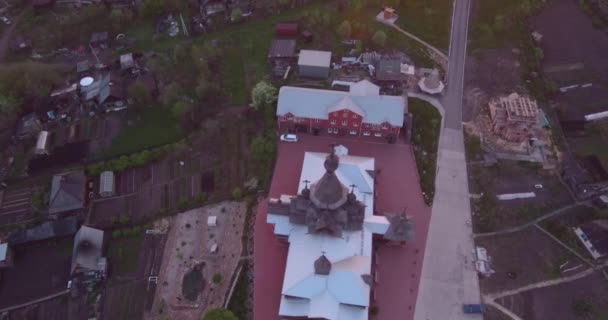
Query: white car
column 289, row 138
column 6, row 20
column 538, row 186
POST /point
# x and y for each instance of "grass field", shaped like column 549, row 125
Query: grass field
column 425, row 139
column 497, row 23
column 154, row 127
column 429, row 20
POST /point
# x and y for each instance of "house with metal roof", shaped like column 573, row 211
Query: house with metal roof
column 67, row 192
column 88, row 261
column 330, row 227
column 44, row 231
column 360, row 112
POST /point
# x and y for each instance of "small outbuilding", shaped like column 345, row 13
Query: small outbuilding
column 42, row 143
column 106, row 184
column 314, row 64
column 99, row 39
column 211, row 221
column 6, row 256
column 286, row 29
column 27, row 126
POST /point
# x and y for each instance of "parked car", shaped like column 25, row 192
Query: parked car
column 538, row 186
column 6, row 20
column 472, row 308
column 289, row 138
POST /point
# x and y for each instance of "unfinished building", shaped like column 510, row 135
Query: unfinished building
column 514, row 117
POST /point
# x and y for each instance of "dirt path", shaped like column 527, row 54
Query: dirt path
column 6, row 35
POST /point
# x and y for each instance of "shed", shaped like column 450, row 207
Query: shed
column 99, row 39
column 286, row 29
column 211, row 221
column 126, row 61
column 284, row 49
column 106, row 184
column 307, row 36
column 42, row 142
column 314, row 64
column 389, row 70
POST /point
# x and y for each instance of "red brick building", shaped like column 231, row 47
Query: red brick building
column 361, row 112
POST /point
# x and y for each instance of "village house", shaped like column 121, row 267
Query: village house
column 360, row 112
column 514, row 117
column 67, row 192
column 330, row 229
column 88, row 263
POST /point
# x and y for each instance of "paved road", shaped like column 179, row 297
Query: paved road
column 448, row 277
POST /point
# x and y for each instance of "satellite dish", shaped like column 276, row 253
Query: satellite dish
column 86, row 81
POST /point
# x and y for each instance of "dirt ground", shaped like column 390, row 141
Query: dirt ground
column 128, row 292
column 558, row 302
column 574, row 53
column 189, row 243
column 489, row 72
column 491, row 214
column 529, row 254
column 40, row 269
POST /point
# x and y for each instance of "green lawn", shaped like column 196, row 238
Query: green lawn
column 430, row 20
column 154, row 127
column 425, row 139
column 497, row 23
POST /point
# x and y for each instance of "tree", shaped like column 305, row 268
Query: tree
column 217, row 278
column 379, row 38
column 180, row 108
column 124, row 219
column 236, row 15
column 263, row 95
column 237, row 193
column 151, row 9
column 345, row 30
column 538, row 53
column 219, row 314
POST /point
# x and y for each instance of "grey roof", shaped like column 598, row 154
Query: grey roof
column 389, row 70
column 106, row 182
column 597, row 233
column 83, row 66
column 46, row 230
column 126, row 61
column 99, row 36
column 345, row 213
column 317, row 103
column 399, row 229
column 314, row 58
column 67, row 192
column 282, row 48
column 88, row 248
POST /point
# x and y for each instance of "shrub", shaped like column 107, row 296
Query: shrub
column 217, row 278
column 136, row 230
column 183, row 203
column 116, row 234
column 379, row 38
column 237, row 193
column 124, row 219
column 200, row 198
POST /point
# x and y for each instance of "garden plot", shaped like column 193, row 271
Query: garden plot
column 199, row 260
